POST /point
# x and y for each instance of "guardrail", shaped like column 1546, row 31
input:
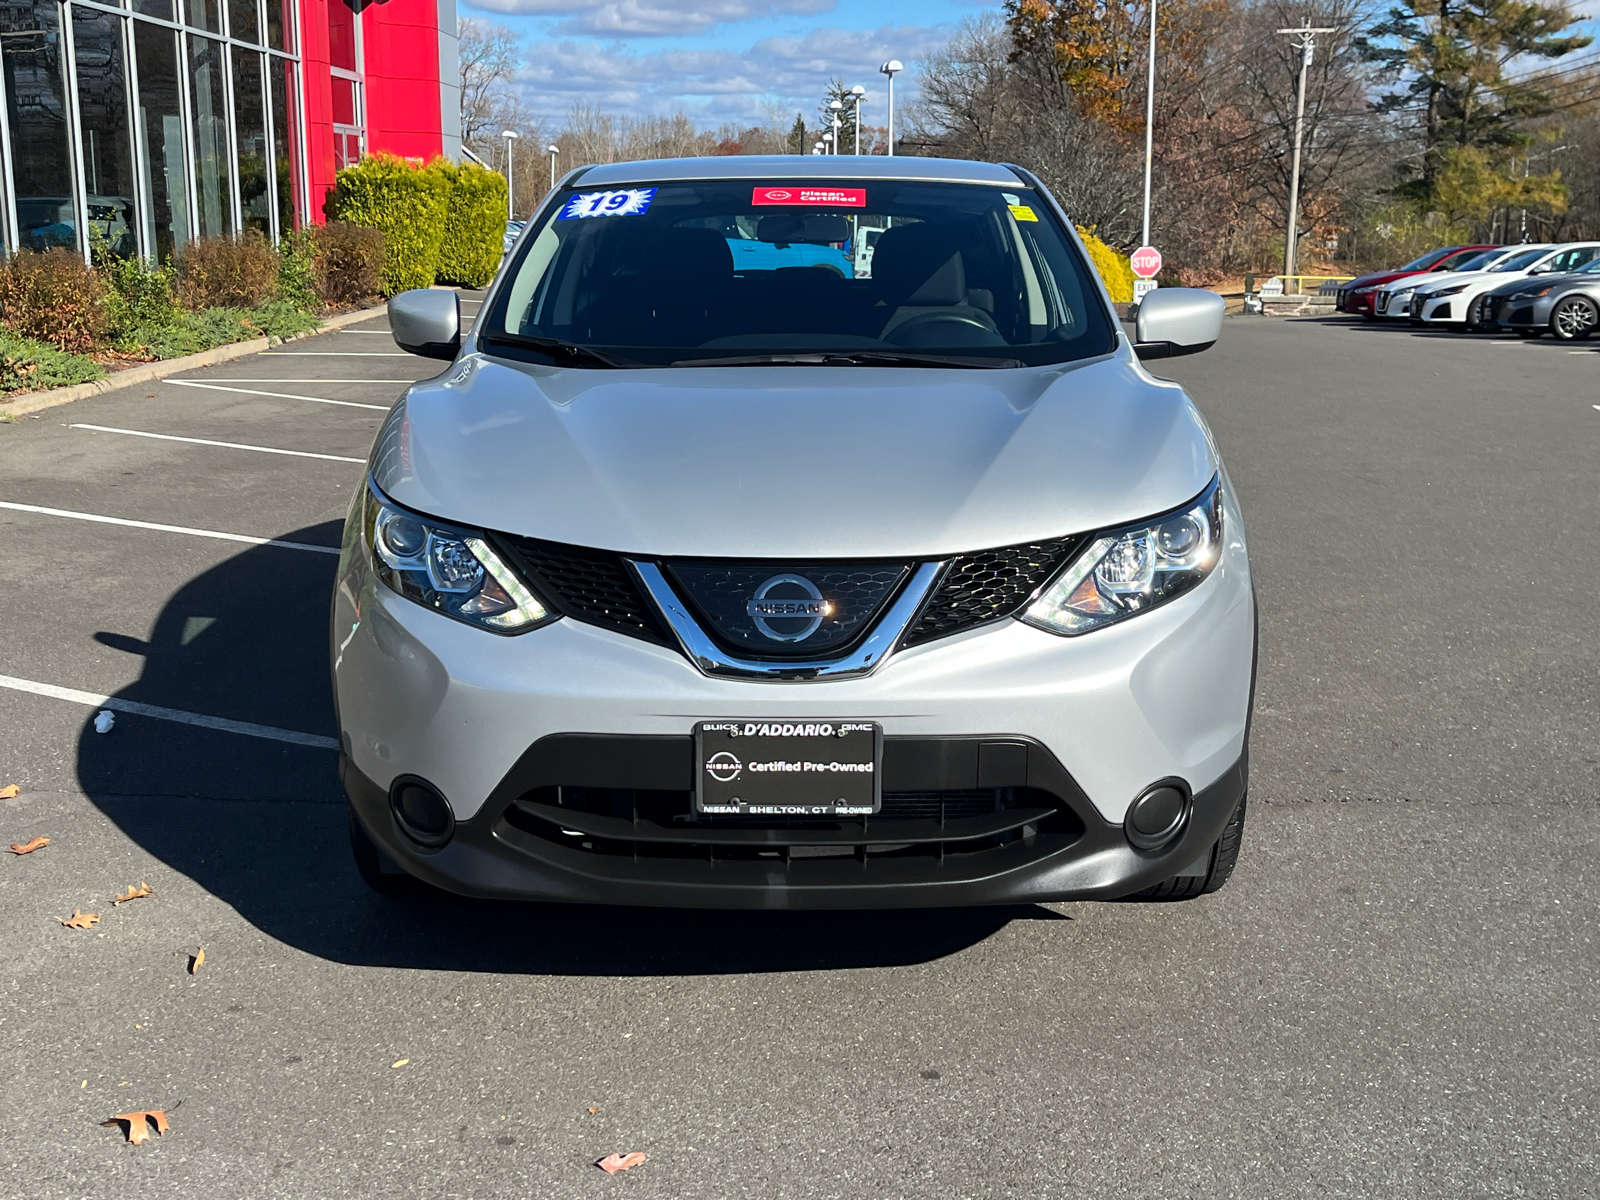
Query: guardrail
column 1326, row 285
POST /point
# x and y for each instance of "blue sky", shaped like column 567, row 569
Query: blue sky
column 717, row 60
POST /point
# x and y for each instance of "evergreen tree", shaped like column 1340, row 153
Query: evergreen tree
column 797, row 135
column 840, row 91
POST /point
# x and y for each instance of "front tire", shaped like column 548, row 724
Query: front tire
column 1574, row 319
column 1224, row 857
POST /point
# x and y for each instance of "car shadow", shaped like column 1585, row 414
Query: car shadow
column 260, row 824
column 1397, row 327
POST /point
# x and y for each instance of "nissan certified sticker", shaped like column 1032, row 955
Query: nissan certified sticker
column 811, row 197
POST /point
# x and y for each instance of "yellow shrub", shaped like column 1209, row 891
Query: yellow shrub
column 1113, row 267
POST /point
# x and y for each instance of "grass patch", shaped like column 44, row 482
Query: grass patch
column 27, row 365
column 191, row 332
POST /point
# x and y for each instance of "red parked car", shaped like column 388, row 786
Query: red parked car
column 1356, row 296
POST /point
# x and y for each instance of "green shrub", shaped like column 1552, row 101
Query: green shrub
column 297, row 270
column 474, row 224
column 136, row 295
column 55, row 297
column 408, row 203
column 1113, row 267
column 192, row 332
column 226, row 272
column 27, row 365
column 349, row 263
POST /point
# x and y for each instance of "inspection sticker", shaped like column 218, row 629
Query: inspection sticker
column 1022, row 212
column 628, row 202
column 814, row 197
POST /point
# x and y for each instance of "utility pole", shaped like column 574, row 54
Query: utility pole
column 1308, row 40
column 1149, row 122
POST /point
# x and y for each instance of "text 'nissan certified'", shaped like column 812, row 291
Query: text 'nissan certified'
column 796, row 533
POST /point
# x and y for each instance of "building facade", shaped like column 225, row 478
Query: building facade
column 143, row 124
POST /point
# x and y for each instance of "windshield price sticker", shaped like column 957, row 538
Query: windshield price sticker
column 1022, row 212
column 787, row 768
column 628, row 202
column 811, row 197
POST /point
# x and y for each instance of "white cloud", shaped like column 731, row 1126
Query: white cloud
column 713, row 86
column 651, row 18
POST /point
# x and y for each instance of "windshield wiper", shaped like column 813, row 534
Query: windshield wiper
column 850, row 358
column 570, row 353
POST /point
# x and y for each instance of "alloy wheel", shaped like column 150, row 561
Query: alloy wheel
column 1574, row 318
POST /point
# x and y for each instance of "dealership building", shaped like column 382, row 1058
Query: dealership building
column 147, row 123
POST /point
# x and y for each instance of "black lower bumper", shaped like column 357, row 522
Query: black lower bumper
column 603, row 819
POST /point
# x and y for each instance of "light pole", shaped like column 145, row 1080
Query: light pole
column 836, row 107
column 860, row 93
column 827, row 141
column 552, row 151
column 1149, row 122
column 511, row 136
column 1291, row 240
column 889, row 68
column 1526, row 159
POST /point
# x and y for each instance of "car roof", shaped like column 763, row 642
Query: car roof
column 796, row 168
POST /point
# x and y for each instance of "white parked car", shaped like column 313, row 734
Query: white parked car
column 1394, row 298
column 1455, row 301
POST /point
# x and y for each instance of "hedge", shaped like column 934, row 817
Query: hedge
column 475, row 224
column 408, row 203
column 1113, row 267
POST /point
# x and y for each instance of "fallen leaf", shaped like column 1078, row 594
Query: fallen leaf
column 80, row 920
column 9, row 791
column 593, row 1109
column 136, row 1125
column 197, row 959
column 612, row 1163
column 38, row 843
column 134, row 893
column 401, row 1063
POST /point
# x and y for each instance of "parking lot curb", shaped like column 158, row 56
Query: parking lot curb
column 31, row 402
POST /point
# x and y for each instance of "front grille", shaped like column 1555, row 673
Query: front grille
column 932, row 826
column 990, row 585
column 852, row 596
column 588, row 585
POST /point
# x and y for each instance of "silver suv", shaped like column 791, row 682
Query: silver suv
column 727, row 566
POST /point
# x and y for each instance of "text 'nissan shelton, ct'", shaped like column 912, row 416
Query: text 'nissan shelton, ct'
column 797, row 533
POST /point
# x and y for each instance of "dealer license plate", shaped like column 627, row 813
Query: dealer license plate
column 788, row 768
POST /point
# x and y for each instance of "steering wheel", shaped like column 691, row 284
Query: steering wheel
column 952, row 323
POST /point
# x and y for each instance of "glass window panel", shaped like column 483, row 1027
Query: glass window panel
column 155, row 8
column 243, row 23
column 284, row 119
column 210, row 133
column 344, row 101
column 161, row 154
column 250, row 128
column 341, row 35
column 107, row 147
column 280, row 25
column 37, row 118
column 205, row 14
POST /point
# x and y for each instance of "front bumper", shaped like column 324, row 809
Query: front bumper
column 1165, row 695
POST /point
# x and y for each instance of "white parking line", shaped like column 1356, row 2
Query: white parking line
column 334, row 354
column 172, row 437
column 275, row 379
column 385, row 332
column 217, row 387
column 177, row 715
column 99, row 519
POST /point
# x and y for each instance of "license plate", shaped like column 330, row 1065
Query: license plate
column 788, row 768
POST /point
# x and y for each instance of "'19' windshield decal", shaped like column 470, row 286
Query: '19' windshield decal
column 629, row 202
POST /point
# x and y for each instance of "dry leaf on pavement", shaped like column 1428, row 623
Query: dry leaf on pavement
column 401, row 1063
column 197, row 959
column 79, row 919
column 38, row 843
column 134, row 893
column 593, row 1109
column 612, row 1163
column 137, row 1124
column 10, row 791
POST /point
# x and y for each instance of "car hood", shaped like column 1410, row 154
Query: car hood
column 1379, row 278
column 1457, row 278
column 1565, row 279
column 793, row 462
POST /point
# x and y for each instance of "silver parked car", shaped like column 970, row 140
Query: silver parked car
column 704, row 578
column 1565, row 306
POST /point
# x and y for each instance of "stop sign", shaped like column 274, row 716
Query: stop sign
column 1146, row 262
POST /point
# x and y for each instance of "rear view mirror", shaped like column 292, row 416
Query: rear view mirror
column 1176, row 321
column 810, row 228
column 427, row 322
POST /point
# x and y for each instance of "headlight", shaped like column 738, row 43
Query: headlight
column 1535, row 293
column 1449, row 291
column 450, row 570
column 1404, row 291
column 1362, row 291
column 1128, row 571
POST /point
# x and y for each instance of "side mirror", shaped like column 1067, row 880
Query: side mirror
column 427, row 322
column 1175, row 321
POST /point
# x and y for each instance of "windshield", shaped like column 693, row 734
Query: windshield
column 1478, row 261
column 1460, row 260
column 1428, row 259
column 1518, row 262
column 876, row 272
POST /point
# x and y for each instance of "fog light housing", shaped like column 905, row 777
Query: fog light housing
column 1158, row 816
column 422, row 813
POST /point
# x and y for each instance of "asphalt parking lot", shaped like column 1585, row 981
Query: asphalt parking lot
column 1393, row 997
